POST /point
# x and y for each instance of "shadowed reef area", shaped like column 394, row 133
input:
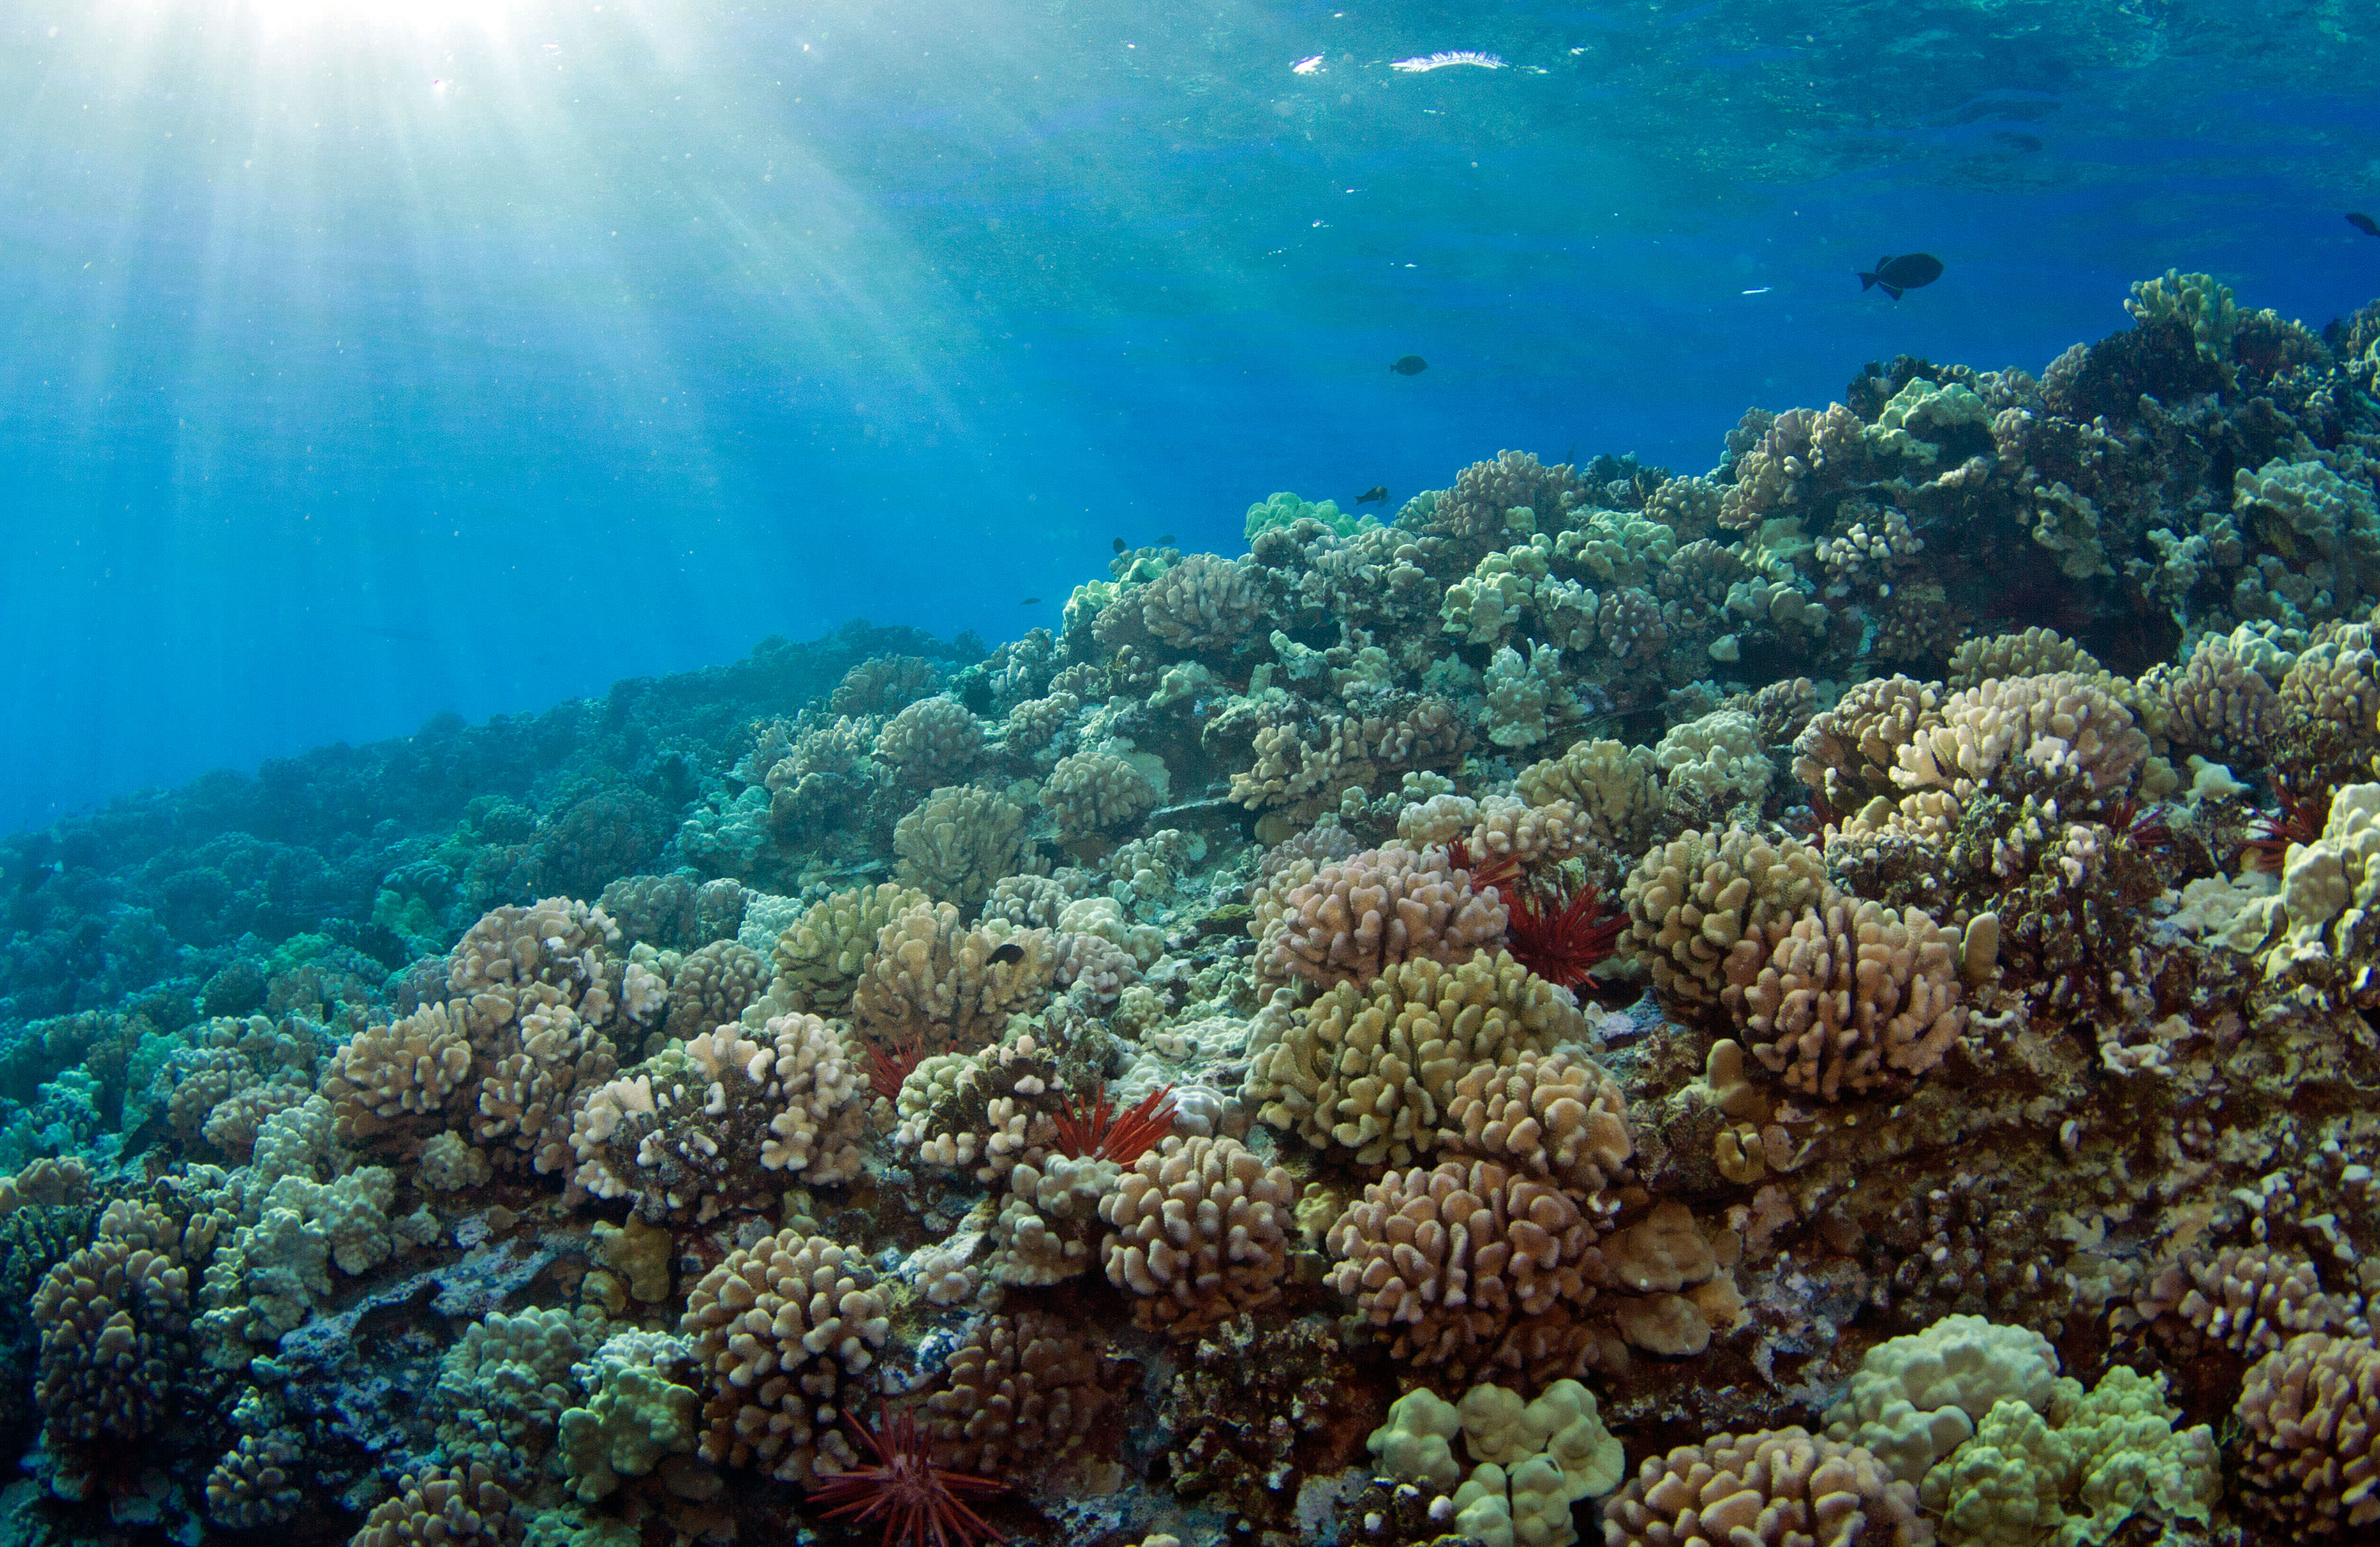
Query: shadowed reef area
column 1827, row 995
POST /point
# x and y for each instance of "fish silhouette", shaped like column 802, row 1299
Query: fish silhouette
column 1373, row 495
column 1409, row 365
column 2364, row 224
column 1905, row 273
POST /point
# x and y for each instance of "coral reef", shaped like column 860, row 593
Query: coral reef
column 1827, row 999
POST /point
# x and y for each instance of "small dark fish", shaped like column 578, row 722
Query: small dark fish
column 1409, row 365
column 1119, row 545
column 1012, row 952
column 1375, row 494
column 1030, row 601
column 1905, row 273
column 1165, row 540
column 2364, row 224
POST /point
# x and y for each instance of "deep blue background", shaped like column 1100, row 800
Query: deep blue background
column 352, row 369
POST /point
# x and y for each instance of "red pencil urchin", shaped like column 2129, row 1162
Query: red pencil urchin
column 1092, row 1129
column 919, row 1503
column 1562, row 939
column 887, row 1067
column 1488, row 869
column 2300, row 821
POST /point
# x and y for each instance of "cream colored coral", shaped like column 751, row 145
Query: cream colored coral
column 779, row 1327
column 1671, row 1280
column 1438, row 821
column 725, row 1121
column 255, row 1482
column 1090, row 792
column 711, row 986
column 2250, row 1299
column 2327, row 893
column 1349, row 921
column 1374, row 1071
column 1847, row 999
column 937, row 985
column 1293, row 768
column 1204, row 602
column 464, row 1506
column 1781, row 1488
column 1615, row 789
column 1200, row 1234
column 2035, row 653
column 1917, row 420
column 45, row 1183
column 1048, row 1226
column 2335, row 682
column 1455, row 1258
column 641, row 1407
column 503, row 1385
column 1713, row 764
column 1036, row 722
column 1845, row 754
column 2058, row 725
column 928, row 741
column 1487, row 607
column 1023, row 1390
column 1547, row 1114
column 398, row 1080
column 2216, row 702
column 1534, row 1459
column 989, row 1109
column 959, row 841
column 543, row 1068
column 1692, row 900
column 1525, row 695
column 1416, row 1443
column 555, row 942
column 2311, row 1450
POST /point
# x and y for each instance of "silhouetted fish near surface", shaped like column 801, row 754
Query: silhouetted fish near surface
column 1905, row 273
column 1375, row 494
column 1119, row 545
column 1008, row 953
column 1030, row 601
column 1409, row 365
column 2364, row 224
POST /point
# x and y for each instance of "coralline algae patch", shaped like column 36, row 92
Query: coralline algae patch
column 1823, row 1001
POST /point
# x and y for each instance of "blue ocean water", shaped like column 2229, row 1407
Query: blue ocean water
column 368, row 360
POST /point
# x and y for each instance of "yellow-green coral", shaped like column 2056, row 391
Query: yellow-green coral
column 2070, row 1478
column 2197, row 302
column 1533, row 1460
column 1372, row 1070
column 819, row 958
column 1914, row 423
